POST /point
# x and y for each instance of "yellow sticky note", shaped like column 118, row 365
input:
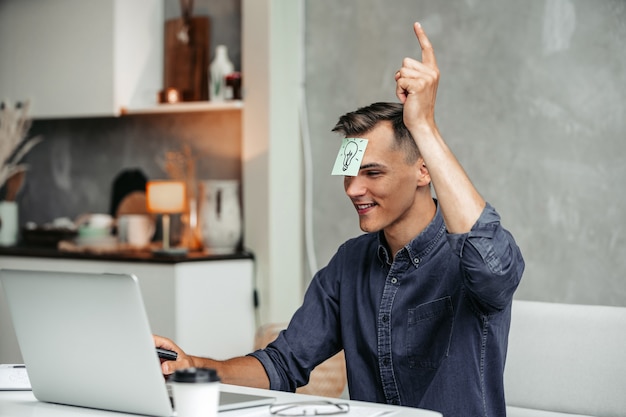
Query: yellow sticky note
column 350, row 155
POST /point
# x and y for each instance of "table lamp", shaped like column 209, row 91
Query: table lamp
column 166, row 197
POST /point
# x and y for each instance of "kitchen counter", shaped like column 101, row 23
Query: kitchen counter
column 123, row 256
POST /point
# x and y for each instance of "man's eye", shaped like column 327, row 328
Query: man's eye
column 373, row 173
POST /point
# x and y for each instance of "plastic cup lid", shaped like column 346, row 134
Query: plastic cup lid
column 195, row 375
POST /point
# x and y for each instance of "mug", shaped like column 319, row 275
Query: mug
column 93, row 226
column 135, row 229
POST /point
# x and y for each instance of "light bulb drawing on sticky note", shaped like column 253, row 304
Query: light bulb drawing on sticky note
column 348, row 154
column 348, row 161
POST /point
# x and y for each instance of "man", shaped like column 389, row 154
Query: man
column 421, row 303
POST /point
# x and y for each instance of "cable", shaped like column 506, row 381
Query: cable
column 308, row 187
column 307, row 157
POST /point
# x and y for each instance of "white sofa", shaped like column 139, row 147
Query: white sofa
column 566, row 360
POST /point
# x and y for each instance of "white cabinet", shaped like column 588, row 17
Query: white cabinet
column 79, row 58
column 206, row 307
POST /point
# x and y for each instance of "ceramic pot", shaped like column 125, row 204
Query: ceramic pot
column 220, row 215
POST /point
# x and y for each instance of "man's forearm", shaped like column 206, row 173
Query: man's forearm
column 243, row 370
column 460, row 202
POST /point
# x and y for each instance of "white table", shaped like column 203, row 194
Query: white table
column 23, row 404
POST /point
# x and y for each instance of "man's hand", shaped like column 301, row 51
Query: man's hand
column 416, row 84
column 241, row 370
column 416, row 87
column 182, row 361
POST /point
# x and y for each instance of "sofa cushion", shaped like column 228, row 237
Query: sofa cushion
column 567, row 358
column 529, row 412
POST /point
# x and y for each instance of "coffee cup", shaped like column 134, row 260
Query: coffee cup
column 135, row 229
column 196, row 392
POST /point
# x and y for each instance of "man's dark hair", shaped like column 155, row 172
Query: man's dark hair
column 366, row 118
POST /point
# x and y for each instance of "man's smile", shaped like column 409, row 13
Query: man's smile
column 364, row 208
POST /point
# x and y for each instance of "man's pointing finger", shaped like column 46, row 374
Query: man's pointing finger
column 428, row 54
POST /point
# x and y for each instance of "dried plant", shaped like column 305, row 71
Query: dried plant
column 14, row 143
column 181, row 166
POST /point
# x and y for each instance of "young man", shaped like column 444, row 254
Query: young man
column 421, row 303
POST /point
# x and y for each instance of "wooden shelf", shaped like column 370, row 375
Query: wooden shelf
column 186, row 107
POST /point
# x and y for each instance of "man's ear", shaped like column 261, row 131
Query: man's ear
column 423, row 174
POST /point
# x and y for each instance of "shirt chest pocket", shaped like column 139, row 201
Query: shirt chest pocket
column 429, row 332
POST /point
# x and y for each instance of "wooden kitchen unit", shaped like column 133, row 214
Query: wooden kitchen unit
column 204, row 303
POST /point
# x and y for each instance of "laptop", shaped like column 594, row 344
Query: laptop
column 86, row 341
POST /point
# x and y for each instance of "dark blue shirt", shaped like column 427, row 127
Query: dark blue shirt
column 428, row 329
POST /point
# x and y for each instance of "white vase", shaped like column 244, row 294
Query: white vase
column 220, row 67
column 9, row 230
column 220, row 215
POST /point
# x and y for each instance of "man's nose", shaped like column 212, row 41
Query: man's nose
column 354, row 186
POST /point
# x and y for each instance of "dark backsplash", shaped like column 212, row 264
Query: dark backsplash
column 72, row 170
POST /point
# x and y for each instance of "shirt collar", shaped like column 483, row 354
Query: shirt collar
column 421, row 245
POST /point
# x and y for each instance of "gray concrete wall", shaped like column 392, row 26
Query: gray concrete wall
column 532, row 101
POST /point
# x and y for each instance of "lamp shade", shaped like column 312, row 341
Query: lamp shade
column 164, row 196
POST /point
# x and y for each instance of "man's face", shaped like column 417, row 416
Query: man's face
column 384, row 190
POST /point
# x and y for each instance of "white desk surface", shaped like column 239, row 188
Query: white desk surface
column 23, row 403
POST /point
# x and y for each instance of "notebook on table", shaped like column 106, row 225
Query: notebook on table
column 85, row 340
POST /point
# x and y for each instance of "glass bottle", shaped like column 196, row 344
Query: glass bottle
column 220, row 67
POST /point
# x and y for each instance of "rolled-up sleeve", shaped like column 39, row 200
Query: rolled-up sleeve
column 311, row 337
column 491, row 260
column 278, row 380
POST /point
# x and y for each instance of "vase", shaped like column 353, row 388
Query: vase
column 220, row 67
column 220, row 215
column 9, row 230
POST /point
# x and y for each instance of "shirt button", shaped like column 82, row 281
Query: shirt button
column 386, row 362
column 394, row 280
column 416, row 260
column 385, row 318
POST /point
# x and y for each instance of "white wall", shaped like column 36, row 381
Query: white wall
column 272, row 48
